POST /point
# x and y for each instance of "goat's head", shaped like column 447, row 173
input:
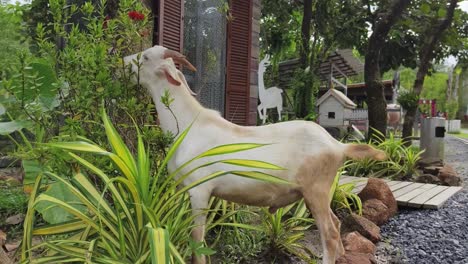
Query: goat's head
column 157, row 63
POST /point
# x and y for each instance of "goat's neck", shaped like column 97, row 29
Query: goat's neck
column 181, row 112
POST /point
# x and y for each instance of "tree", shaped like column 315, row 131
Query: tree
column 324, row 26
column 431, row 35
column 382, row 22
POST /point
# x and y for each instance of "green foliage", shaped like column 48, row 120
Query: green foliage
column 451, row 107
column 240, row 246
column 408, row 99
column 343, row 196
column 401, row 162
column 56, row 90
column 285, row 228
column 12, row 200
column 11, row 40
column 133, row 208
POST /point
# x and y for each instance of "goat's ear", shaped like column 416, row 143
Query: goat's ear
column 169, row 74
column 169, row 77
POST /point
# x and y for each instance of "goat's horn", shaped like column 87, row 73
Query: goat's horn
column 179, row 58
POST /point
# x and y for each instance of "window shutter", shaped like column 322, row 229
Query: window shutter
column 171, row 24
column 238, row 62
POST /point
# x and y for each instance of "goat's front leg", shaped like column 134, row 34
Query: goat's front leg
column 199, row 199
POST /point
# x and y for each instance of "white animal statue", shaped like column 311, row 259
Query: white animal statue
column 269, row 98
column 310, row 156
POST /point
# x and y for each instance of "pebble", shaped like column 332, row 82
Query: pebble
column 431, row 236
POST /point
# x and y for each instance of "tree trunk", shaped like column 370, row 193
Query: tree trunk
column 426, row 55
column 410, row 116
column 375, row 90
column 303, row 94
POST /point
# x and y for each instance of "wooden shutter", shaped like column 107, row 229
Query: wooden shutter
column 238, row 62
column 171, row 24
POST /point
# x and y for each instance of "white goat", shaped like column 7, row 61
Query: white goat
column 309, row 154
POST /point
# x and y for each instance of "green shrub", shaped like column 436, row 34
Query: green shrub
column 452, row 108
column 12, row 200
column 285, row 228
column 124, row 219
column 408, row 100
column 401, row 162
column 343, row 196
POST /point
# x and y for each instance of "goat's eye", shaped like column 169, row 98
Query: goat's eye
column 145, row 57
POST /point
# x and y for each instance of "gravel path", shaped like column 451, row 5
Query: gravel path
column 432, row 236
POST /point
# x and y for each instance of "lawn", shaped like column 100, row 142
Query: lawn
column 462, row 135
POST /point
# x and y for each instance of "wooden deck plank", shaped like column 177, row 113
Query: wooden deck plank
column 408, row 188
column 360, row 183
column 418, row 201
column 347, row 179
column 405, row 198
column 391, row 183
column 409, row 193
column 358, row 189
column 438, row 200
column 399, row 186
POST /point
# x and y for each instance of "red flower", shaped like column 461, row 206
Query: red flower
column 135, row 15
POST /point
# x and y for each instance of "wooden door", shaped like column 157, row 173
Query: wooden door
column 238, row 62
column 171, row 24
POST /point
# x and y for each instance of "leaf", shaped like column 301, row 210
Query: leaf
column 15, row 219
column 252, row 164
column 159, row 242
column 78, row 146
column 204, row 251
column 425, row 8
column 32, row 169
column 12, row 246
column 7, row 128
column 260, row 176
column 53, row 214
column 442, row 12
column 230, row 148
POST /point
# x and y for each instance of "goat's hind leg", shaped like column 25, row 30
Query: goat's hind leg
column 337, row 224
column 318, row 203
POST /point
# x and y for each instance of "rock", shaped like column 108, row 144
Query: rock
column 434, row 170
column 15, row 219
column 378, row 189
column 376, row 211
column 355, row 242
column 6, row 162
column 426, row 162
column 448, row 176
column 356, row 258
column 360, row 224
column 428, row 178
column 12, row 246
column 9, row 174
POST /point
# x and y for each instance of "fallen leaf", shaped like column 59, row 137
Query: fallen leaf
column 3, row 238
column 15, row 219
column 12, row 246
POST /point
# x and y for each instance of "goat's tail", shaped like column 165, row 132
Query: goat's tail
column 362, row 151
